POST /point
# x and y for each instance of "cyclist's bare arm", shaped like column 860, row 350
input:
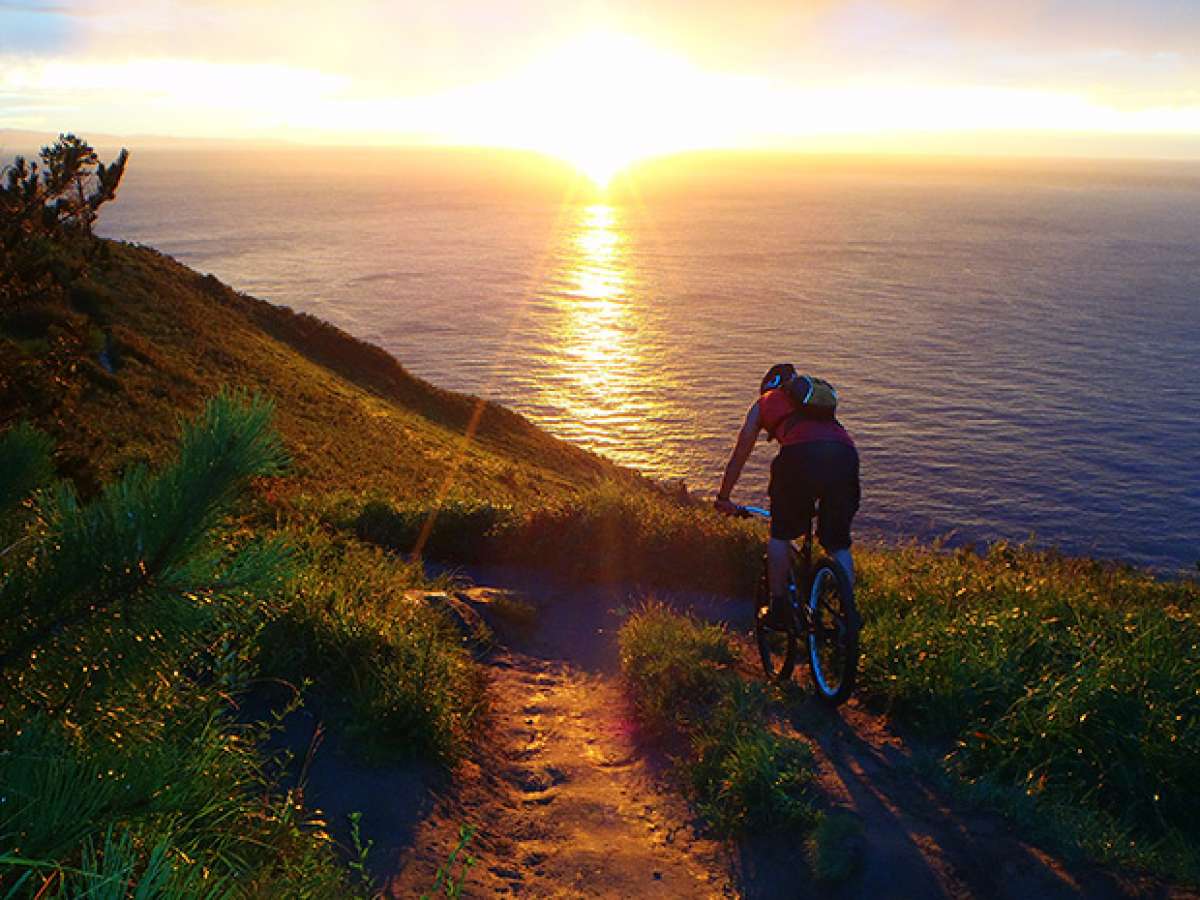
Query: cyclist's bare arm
column 746, row 439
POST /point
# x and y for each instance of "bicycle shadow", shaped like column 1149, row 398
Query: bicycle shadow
column 915, row 842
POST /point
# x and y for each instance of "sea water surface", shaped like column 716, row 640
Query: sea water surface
column 1017, row 353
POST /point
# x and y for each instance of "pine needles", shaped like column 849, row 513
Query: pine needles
column 131, row 620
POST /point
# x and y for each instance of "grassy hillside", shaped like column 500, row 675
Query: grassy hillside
column 1065, row 691
column 353, row 419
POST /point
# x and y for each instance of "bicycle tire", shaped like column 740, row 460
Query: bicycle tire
column 833, row 633
column 776, row 648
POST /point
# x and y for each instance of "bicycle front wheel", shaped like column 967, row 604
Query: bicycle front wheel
column 776, row 646
column 832, row 633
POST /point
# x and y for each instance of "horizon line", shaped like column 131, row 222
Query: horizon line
column 168, row 141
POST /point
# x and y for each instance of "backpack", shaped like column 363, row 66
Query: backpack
column 811, row 398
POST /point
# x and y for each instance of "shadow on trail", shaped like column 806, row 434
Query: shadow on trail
column 332, row 782
column 916, row 841
column 566, row 800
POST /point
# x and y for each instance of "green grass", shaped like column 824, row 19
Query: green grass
column 113, row 740
column 391, row 672
column 1073, row 682
column 394, row 672
column 1072, row 685
column 354, row 420
column 131, row 625
column 606, row 533
column 741, row 776
column 835, row 847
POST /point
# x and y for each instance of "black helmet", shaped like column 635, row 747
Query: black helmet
column 776, row 376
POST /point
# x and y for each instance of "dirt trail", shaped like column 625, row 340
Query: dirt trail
column 568, row 804
column 572, row 807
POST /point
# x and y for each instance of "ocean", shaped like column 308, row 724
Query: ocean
column 1016, row 347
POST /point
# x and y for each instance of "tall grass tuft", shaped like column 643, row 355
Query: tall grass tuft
column 394, row 671
column 740, row 774
column 116, row 868
column 25, row 465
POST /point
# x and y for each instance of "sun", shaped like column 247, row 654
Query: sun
column 604, row 101
column 600, row 162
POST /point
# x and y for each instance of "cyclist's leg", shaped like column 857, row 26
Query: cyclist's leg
column 778, row 551
column 791, row 512
column 840, row 496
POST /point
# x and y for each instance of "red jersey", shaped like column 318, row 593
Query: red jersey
column 778, row 416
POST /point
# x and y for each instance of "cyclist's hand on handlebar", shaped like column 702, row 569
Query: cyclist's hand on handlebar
column 726, row 506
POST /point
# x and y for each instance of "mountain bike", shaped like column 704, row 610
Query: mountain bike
column 821, row 608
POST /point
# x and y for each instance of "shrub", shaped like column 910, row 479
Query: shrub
column 62, row 191
column 458, row 531
column 614, row 533
column 25, row 464
column 46, row 203
column 608, row 533
column 130, row 624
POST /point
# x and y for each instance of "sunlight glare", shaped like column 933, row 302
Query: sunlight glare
column 607, row 100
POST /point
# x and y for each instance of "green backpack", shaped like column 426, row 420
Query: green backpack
column 814, row 398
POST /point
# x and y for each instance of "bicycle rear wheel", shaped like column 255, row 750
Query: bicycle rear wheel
column 776, row 646
column 833, row 633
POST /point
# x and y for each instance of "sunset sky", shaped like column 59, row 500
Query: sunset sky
column 602, row 83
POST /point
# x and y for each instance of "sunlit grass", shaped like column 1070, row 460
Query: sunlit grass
column 1073, row 683
column 1062, row 690
column 389, row 669
column 1076, row 683
column 124, row 767
column 741, row 775
column 612, row 532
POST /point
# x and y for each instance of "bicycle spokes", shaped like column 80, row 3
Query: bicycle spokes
column 833, row 635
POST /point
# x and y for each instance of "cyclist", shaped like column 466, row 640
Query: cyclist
column 817, row 465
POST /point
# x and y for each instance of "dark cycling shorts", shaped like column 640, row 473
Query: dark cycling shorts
column 823, row 474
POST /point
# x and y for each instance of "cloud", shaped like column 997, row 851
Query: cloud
column 1138, row 61
column 1148, row 26
column 463, row 40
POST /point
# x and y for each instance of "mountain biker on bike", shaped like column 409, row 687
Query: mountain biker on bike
column 817, row 466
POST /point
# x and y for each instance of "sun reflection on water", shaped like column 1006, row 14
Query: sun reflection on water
column 598, row 389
